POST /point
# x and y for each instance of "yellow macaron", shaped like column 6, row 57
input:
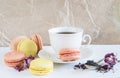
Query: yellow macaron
column 41, row 66
column 28, row 47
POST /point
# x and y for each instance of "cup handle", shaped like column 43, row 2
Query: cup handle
column 85, row 39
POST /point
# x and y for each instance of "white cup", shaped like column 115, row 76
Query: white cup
column 59, row 40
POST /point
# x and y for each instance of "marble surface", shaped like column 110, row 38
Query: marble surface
column 99, row 18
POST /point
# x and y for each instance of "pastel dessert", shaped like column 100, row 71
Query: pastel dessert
column 28, row 47
column 37, row 39
column 41, row 66
column 15, row 41
column 13, row 59
column 69, row 54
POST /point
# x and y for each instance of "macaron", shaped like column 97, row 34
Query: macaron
column 15, row 41
column 28, row 47
column 41, row 66
column 37, row 39
column 69, row 54
column 13, row 59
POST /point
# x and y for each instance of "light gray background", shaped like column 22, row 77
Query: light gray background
column 25, row 17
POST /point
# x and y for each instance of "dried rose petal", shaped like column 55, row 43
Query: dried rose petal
column 28, row 60
column 110, row 59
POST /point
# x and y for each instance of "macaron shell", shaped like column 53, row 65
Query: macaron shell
column 33, row 37
column 39, row 41
column 14, row 56
column 68, row 50
column 41, row 72
column 28, row 47
column 15, row 41
column 41, row 63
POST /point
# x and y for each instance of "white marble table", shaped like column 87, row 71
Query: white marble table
column 66, row 70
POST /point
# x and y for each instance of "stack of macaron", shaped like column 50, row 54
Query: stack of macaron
column 13, row 59
column 23, row 51
column 69, row 54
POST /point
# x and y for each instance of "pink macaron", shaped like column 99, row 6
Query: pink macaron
column 69, row 54
column 13, row 58
column 37, row 39
column 15, row 41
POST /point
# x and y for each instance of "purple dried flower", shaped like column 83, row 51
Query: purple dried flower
column 110, row 59
column 28, row 60
column 80, row 66
column 20, row 67
column 83, row 66
column 25, row 64
column 77, row 66
column 104, row 68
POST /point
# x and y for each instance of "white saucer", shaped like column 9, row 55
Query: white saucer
column 48, row 52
